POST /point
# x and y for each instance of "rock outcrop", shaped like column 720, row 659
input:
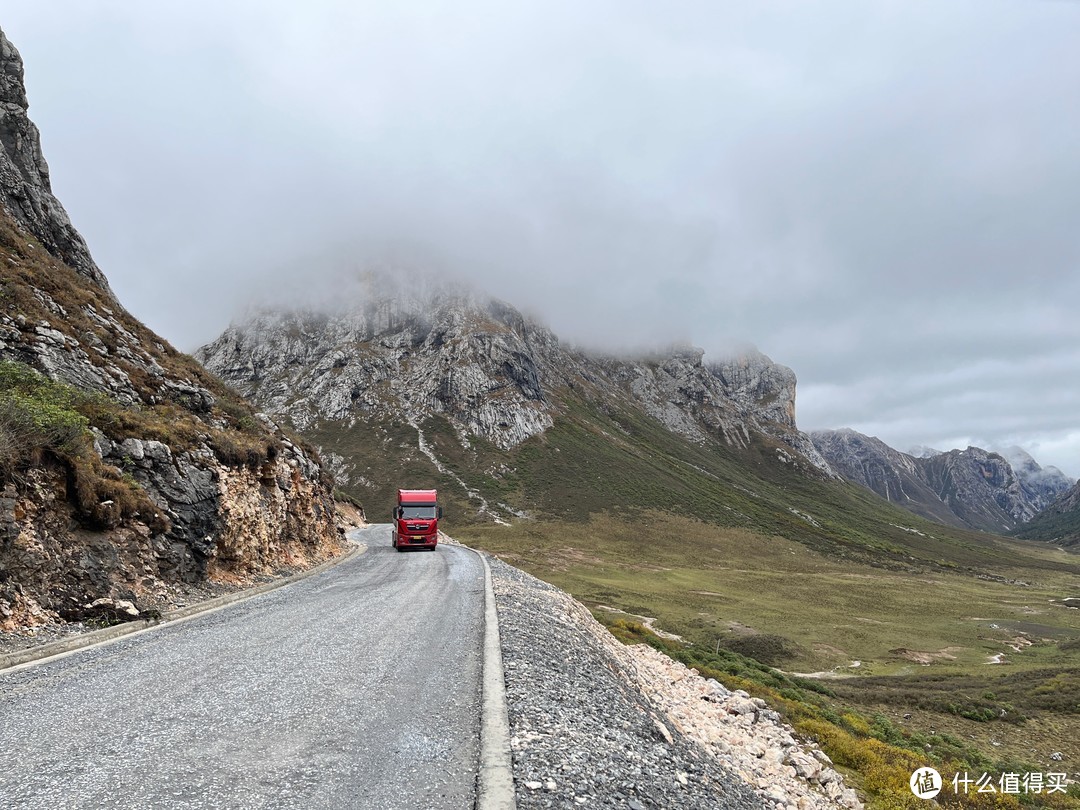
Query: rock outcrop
column 124, row 466
column 971, row 488
column 476, row 361
column 25, row 189
column 1059, row 522
column 393, row 357
column 733, row 397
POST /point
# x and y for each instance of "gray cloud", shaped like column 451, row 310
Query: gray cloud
column 880, row 195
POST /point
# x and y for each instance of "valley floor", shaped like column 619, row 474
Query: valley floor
column 751, row 607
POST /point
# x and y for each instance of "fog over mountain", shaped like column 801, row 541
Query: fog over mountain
column 878, row 195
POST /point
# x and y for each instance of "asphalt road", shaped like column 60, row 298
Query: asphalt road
column 355, row 688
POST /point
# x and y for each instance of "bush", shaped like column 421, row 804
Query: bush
column 238, row 449
column 39, row 418
column 36, row 415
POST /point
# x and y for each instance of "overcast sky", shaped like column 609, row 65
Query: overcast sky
column 884, row 196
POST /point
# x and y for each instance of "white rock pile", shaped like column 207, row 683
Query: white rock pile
column 743, row 733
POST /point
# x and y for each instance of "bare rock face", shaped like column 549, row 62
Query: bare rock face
column 475, row 362
column 494, row 374
column 25, row 190
column 971, row 488
column 1041, row 485
column 168, row 476
column 735, row 397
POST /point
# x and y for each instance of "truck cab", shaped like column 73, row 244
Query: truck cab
column 416, row 519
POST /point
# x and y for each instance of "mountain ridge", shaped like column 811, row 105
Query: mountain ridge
column 25, row 185
column 971, row 488
column 493, row 374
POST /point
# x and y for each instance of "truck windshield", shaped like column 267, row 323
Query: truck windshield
column 417, row 512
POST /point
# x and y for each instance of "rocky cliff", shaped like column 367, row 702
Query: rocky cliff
column 971, row 488
column 25, row 190
column 1059, row 522
column 124, row 467
column 496, row 378
column 1041, row 485
column 733, row 397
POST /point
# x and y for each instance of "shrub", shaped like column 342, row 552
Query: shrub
column 40, row 418
column 36, row 415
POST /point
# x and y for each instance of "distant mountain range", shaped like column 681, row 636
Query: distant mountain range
column 972, row 488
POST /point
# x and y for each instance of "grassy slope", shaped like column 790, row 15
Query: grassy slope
column 1061, row 527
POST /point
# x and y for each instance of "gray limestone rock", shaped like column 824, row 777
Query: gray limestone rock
column 972, row 488
column 492, row 372
column 25, row 190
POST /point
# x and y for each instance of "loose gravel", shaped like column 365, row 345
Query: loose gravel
column 582, row 734
column 595, row 723
column 168, row 596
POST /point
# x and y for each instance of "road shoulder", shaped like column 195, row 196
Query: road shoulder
column 32, row 656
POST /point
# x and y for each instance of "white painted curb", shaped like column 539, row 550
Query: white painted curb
column 495, row 790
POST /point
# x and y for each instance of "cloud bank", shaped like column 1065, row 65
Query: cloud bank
column 880, row 195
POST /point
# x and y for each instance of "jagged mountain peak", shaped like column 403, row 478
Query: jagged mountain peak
column 493, row 373
column 973, row 487
column 922, row 451
column 25, row 187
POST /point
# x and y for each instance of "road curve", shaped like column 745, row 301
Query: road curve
column 356, row 688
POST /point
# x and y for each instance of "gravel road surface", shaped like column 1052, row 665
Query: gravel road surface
column 356, row 688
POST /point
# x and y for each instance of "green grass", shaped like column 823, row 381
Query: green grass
column 712, row 583
column 44, row 423
column 740, row 598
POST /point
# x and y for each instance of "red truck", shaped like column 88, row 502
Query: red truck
column 416, row 519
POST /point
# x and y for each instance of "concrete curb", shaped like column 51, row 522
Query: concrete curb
column 33, row 656
column 495, row 788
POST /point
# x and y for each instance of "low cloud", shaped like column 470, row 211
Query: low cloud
column 878, row 195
